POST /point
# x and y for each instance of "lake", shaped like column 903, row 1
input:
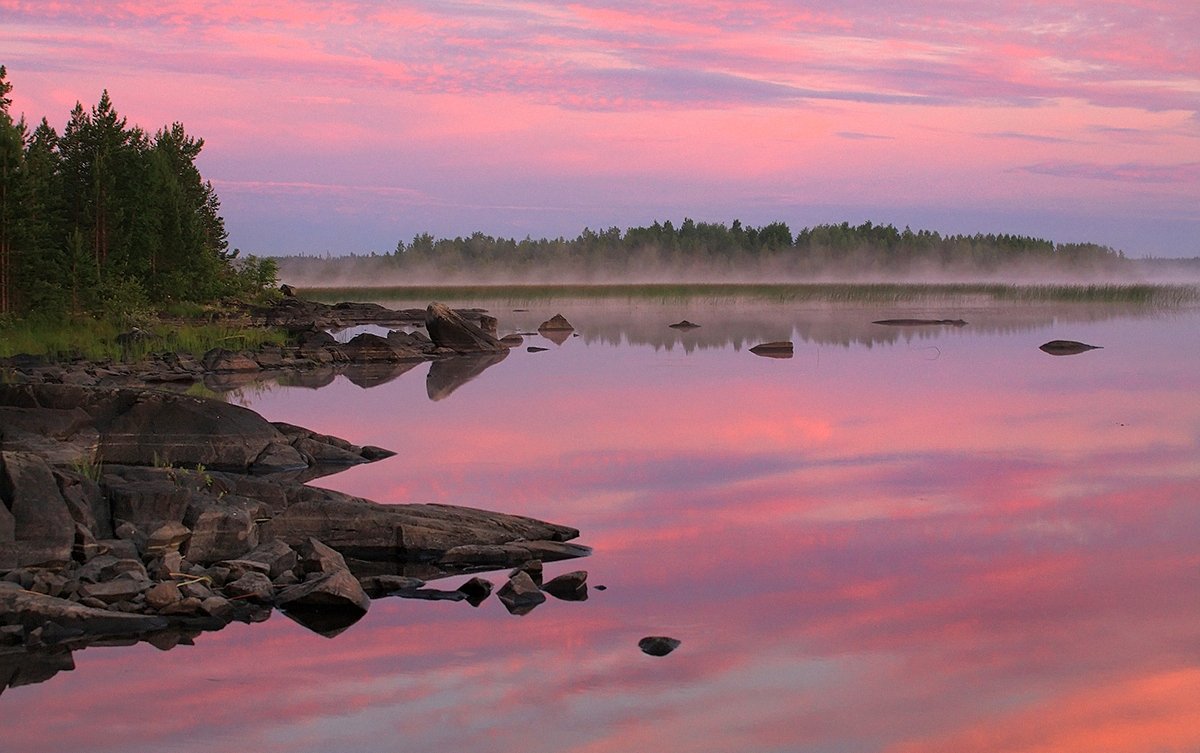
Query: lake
column 901, row 539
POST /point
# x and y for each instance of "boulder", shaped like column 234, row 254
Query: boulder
column 556, row 323
column 370, row 348
column 42, row 529
column 222, row 530
column 221, row 360
column 476, row 590
column 335, row 590
column 570, row 586
column 316, row 557
column 252, row 587
column 658, row 645
column 448, row 329
column 163, row 595
column 276, row 555
column 167, row 538
column 146, row 503
column 520, row 594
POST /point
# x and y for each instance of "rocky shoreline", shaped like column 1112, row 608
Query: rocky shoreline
column 132, row 513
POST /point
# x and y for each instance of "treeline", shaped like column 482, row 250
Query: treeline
column 108, row 219
column 865, row 248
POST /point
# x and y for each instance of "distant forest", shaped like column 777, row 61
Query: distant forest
column 704, row 251
column 107, row 219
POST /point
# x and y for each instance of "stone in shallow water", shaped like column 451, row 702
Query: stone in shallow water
column 658, row 645
column 476, row 590
column 520, row 594
column 570, row 586
column 1066, row 347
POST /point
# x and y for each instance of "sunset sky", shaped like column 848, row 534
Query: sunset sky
column 347, row 125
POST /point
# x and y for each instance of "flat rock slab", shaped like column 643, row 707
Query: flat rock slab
column 34, row 610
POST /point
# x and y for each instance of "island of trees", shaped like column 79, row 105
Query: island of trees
column 106, row 219
column 712, row 252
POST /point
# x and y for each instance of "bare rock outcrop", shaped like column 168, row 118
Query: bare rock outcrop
column 449, row 329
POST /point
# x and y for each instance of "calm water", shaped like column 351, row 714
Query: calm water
column 898, row 540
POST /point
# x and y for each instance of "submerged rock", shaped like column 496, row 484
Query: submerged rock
column 685, row 324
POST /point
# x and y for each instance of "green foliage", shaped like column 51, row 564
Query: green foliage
column 714, row 250
column 97, row 339
column 108, row 220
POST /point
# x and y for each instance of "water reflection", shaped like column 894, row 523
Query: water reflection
column 862, row 548
column 448, row 374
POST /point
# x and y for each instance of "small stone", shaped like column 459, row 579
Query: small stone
column 520, row 594
column 163, row 595
column 167, row 538
column 532, row 568
column 378, row 586
column 658, row 645
column 217, row 606
column 252, row 586
column 186, row 606
column 570, row 586
column 476, row 590
column 112, row 591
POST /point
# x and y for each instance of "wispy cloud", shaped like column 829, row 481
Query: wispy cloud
column 1129, row 172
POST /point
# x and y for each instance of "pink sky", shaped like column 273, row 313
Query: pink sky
column 346, row 125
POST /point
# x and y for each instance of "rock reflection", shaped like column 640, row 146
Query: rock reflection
column 447, row 375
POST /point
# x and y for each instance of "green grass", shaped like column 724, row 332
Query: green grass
column 97, row 340
column 864, row 293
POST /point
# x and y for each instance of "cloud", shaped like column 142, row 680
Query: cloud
column 1187, row 174
column 859, row 136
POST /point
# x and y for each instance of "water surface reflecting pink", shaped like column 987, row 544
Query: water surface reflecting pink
column 943, row 541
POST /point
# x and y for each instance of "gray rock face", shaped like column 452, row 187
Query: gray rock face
column 43, row 530
column 146, row 428
column 159, row 553
column 448, row 329
column 34, row 610
column 223, row 530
